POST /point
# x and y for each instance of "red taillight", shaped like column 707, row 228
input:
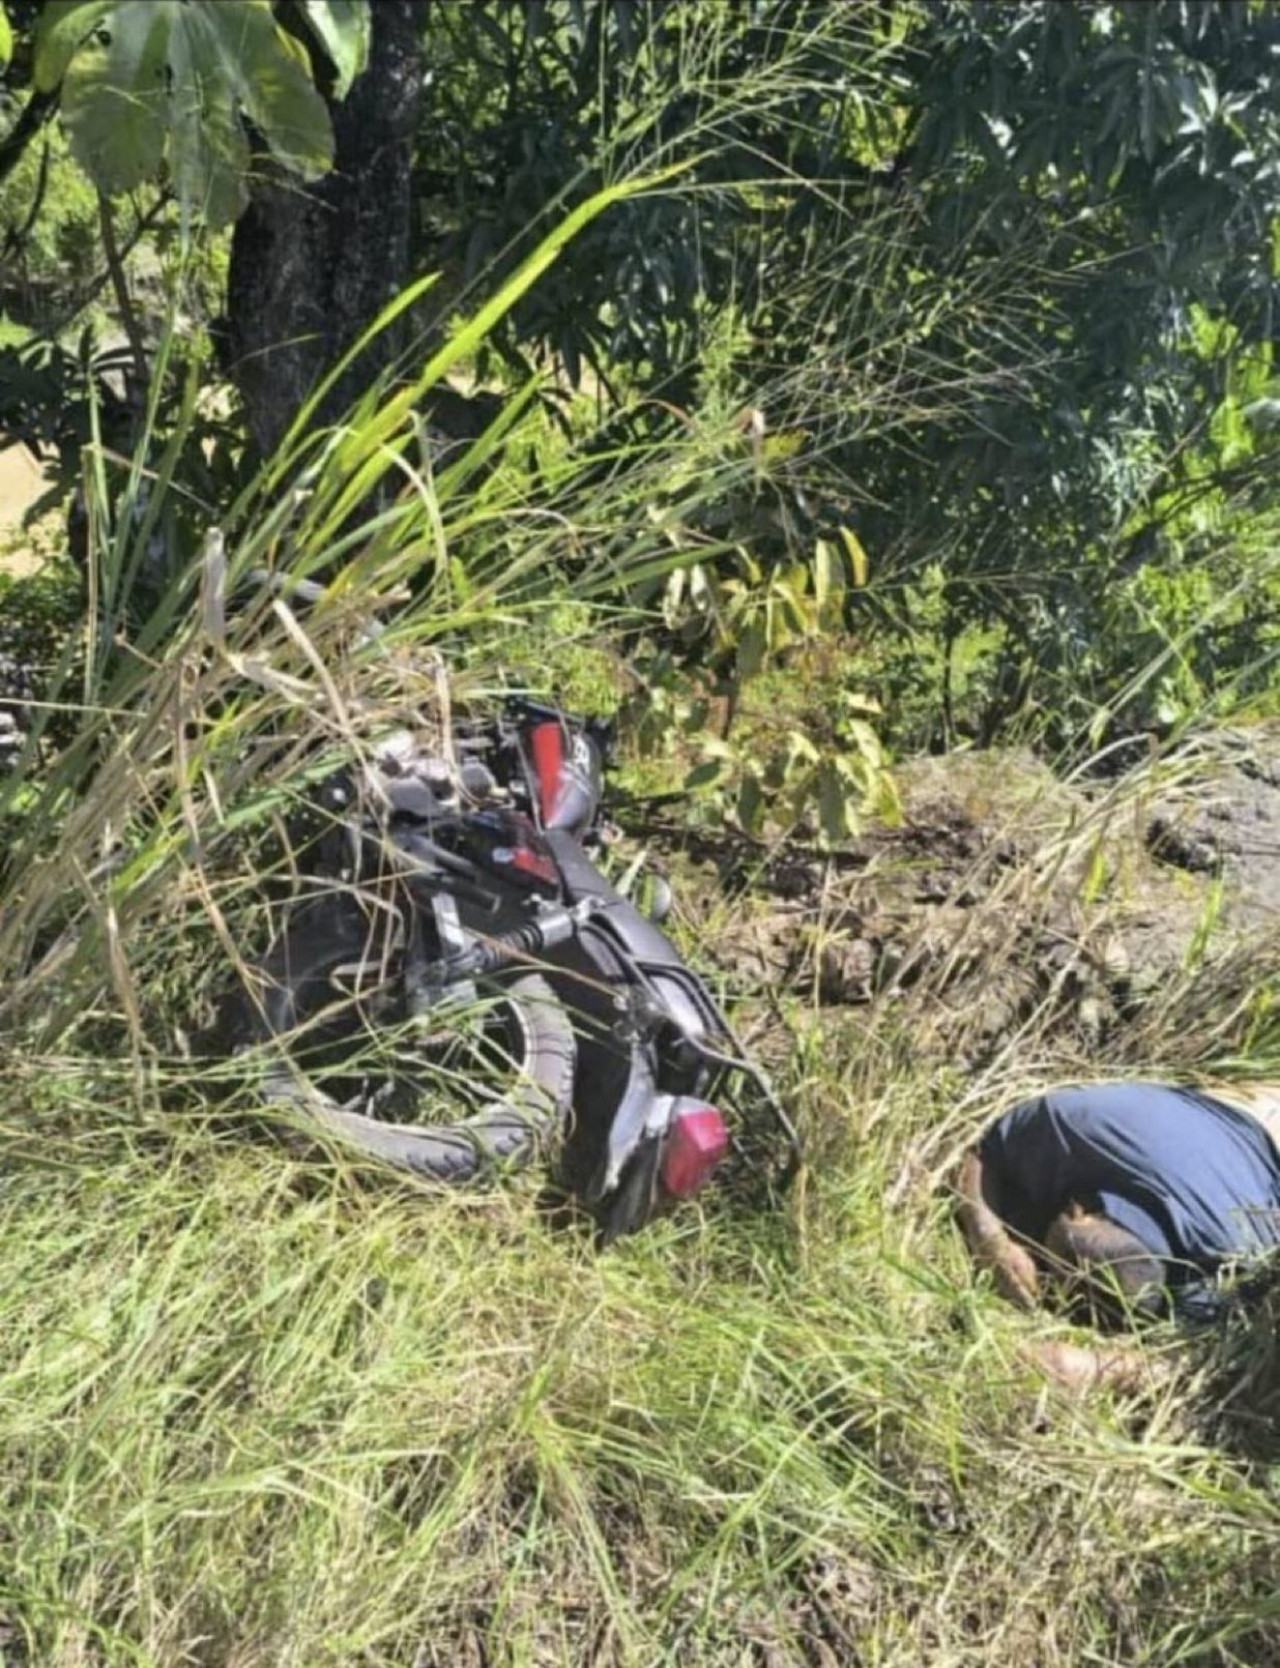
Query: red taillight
column 697, row 1140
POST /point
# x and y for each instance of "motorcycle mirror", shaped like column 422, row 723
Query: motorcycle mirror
column 657, row 897
column 648, row 891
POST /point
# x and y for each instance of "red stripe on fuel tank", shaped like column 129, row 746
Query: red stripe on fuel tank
column 547, row 741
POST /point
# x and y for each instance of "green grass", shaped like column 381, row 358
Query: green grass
column 263, row 1410
column 266, row 1409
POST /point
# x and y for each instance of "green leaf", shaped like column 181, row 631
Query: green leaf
column 464, row 342
column 801, row 748
column 857, row 555
column 209, row 150
column 835, row 808
column 142, row 79
column 828, row 584
column 6, row 39
column 704, row 775
column 1264, row 413
column 343, row 28
column 114, row 97
column 750, row 655
column 245, row 45
column 1229, row 431
column 750, row 808
column 62, row 28
column 777, row 448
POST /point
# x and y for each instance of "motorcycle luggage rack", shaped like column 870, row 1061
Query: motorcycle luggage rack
column 741, row 1063
column 747, row 1068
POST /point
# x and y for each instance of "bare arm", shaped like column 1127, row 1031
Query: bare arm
column 990, row 1243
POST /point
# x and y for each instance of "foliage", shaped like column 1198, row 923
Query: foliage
column 1025, row 250
column 996, row 232
column 146, row 82
column 49, row 226
column 48, row 394
column 260, row 1406
column 41, row 642
column 536, row 104
column 49, row 254
column 1119, row 163
column 777, row 773
column 277, row 1422
column 771, row 765
column 342, row 28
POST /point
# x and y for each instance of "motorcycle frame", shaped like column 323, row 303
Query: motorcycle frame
column 589, row 938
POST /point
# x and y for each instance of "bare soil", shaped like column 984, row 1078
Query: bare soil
column 21, row 484
column 1007, row 895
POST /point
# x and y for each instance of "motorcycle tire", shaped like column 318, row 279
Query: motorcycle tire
column 532, row 1110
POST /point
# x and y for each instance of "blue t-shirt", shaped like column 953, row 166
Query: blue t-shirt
column 1196, row 1180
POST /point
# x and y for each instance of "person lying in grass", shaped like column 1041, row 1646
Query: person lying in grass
column 1123, row 1200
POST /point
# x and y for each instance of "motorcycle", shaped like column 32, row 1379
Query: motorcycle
column 460, row 941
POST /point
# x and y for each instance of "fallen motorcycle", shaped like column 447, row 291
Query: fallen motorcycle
column 461, row 948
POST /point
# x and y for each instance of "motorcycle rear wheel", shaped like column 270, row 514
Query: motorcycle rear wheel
column 334, row 1007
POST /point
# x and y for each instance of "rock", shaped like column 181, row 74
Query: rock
column 1171, row 844
column 846, row 970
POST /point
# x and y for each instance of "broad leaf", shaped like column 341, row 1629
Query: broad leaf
column 6, row 39
column 857, row 555
column 62, row 28
column 268, row 82
column 142, row 79
column 114, row 97
column 342, row 27
column 209, row 159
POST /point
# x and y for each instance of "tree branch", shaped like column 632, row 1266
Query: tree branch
column 35, row 113
column 119, row 283
column 14, row 238
column 96, row 284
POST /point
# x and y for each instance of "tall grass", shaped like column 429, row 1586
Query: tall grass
column 261, row 1410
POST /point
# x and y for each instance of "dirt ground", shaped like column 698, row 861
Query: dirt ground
column 21, row 484
column 1010, row 903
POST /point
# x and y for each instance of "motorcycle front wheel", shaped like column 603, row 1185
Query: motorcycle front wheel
column 347, row 1052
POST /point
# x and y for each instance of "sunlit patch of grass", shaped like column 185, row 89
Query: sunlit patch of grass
column 266, row 1409
column 256, row 1409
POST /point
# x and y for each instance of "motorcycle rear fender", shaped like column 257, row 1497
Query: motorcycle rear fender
column 687, row 1004
column 634, row 932
column 624, row 943
column 632, row 1124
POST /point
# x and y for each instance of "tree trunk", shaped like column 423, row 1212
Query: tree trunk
column 311, row 267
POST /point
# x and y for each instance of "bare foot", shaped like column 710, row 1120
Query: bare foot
column 1098, row 1366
